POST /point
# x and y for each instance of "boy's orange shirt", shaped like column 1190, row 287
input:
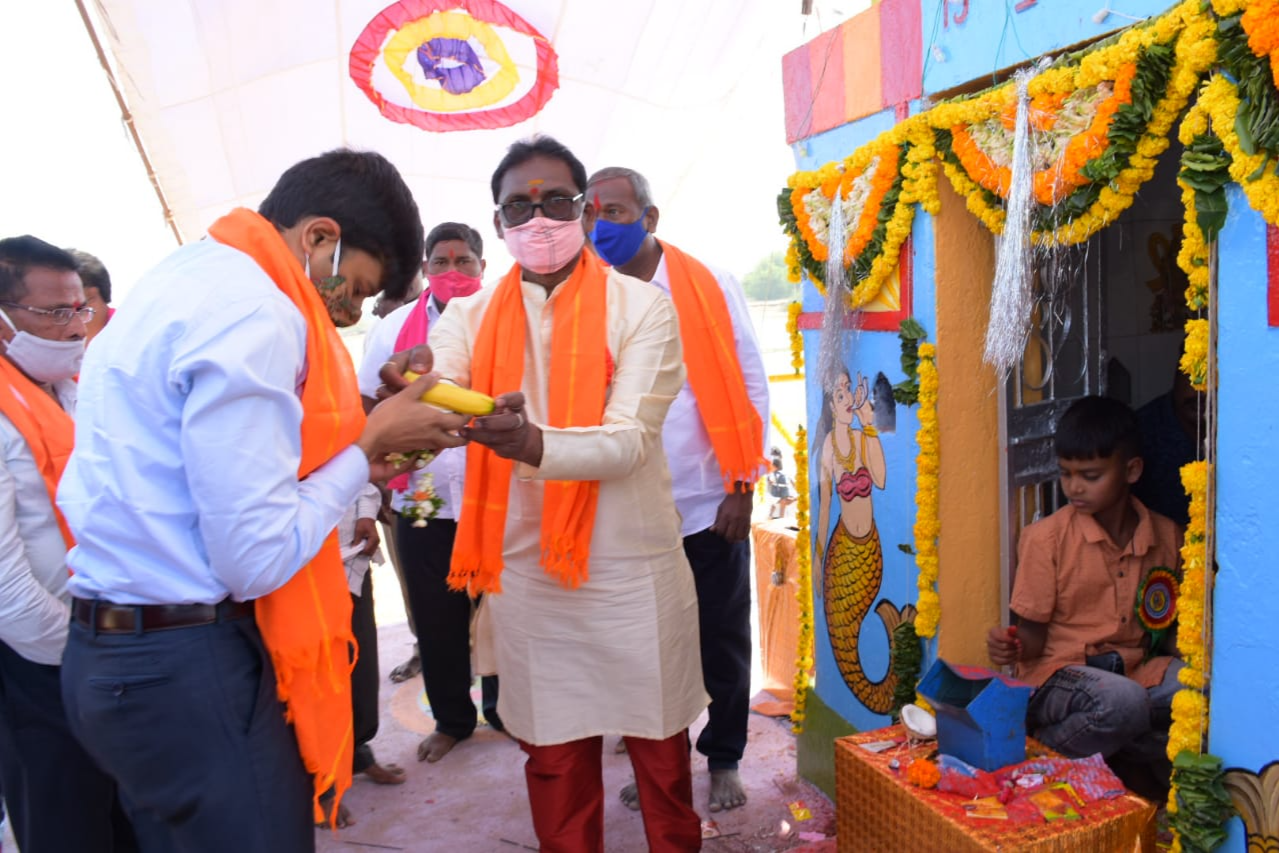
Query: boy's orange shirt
column 1073, row 578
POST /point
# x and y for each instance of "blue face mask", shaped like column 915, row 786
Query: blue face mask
column 618, row 243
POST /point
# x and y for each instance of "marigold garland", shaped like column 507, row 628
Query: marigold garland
column 1106, row 114
column 1261, row 22
column 1190, row 706
column 804, row 593
column 1194, row 361
column 927, row 509
column 1092, row 173
column 1193, row 258
column 1251, row 171
column 877, row 186
column 796, row 337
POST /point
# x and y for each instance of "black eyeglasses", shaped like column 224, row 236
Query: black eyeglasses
column 60, row 316
column 560, row 207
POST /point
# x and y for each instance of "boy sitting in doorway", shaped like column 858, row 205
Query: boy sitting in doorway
column 1078, row 635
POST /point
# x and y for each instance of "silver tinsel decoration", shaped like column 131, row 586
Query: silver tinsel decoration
column 830, row 351
column 1012, row 299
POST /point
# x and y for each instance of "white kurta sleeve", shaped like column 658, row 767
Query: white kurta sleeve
column 648, row 375
column 451, row 345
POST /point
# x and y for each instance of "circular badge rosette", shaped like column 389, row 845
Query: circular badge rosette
column 446, row 65
column 1157, row 603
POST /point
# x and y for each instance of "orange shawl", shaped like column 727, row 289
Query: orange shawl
column 578, row 381
column 714, row 372
column 306, row 624
column 48, row 430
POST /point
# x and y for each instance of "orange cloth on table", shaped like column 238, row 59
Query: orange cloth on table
column 47, row 428
column 579, row 378
column 306, row 624
column 714, row 371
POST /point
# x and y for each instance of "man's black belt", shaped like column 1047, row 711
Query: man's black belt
column 107, row 618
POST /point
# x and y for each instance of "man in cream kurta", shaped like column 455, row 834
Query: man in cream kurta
column 636, row 616
column 619, row 653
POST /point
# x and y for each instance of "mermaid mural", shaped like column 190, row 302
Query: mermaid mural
column 852, row 466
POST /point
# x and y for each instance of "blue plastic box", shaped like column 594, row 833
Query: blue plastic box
column 981, row 714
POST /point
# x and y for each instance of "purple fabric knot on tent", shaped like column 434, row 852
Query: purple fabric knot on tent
column 463, row 71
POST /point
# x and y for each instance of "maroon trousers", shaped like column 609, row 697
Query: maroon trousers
column 566, row 794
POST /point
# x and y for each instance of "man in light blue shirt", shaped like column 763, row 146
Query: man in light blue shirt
column 184, row 497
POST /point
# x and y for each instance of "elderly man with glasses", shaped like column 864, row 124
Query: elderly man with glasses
column 568, row 524
column 57, row 796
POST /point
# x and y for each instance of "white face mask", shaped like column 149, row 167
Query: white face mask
column 40, row 358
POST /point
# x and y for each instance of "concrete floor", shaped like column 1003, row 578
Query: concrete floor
column 474, row 799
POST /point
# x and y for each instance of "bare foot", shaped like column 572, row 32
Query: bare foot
column 385, row 774
column 630, row 796
column 726, row 790
column 411, row 668
column 435, row 747
column 344, row 818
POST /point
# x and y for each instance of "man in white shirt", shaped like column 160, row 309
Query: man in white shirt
column 714, row 497
column 453, row 268
column 220, row 439
column 57, row 796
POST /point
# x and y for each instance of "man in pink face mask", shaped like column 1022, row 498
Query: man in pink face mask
column 569, row 527
column 440, row 618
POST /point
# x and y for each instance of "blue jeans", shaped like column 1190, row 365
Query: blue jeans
column 1081, row 710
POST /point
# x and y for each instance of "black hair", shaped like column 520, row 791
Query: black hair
column 454, row 231
column 538, row 146
column 92, row 273
column 639, row 184
column 368, row 199
column 20, row 254
column 1096, row 427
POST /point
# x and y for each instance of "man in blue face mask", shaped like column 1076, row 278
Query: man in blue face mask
column 58, row 798
column 714, row 442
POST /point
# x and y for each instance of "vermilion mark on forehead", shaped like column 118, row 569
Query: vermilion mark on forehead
column 534, row 186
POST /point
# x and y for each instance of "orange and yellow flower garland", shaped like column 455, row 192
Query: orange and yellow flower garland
column 1261, row 22
column 1108, row 72
column 876, row 176
column 804, row 593
column 1063, row 174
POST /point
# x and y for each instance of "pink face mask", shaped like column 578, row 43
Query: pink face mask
column 544, row 245
column 446, row 285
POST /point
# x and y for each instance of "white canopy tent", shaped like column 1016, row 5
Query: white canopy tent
column 224, row 95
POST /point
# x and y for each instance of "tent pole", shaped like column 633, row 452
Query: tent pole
column 127, row 117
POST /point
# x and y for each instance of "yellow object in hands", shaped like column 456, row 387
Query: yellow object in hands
column 464, row 401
